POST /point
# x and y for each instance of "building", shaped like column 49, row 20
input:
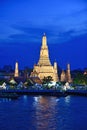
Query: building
column 16, row 74
column 85, row 71
column 63, row 76
column 44, row 67
column 68, row 74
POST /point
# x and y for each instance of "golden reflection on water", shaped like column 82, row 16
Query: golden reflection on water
column 45, row 110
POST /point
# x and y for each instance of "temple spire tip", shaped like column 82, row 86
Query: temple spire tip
column 44, row 34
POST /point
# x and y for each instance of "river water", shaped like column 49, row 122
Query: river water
column 44, row 113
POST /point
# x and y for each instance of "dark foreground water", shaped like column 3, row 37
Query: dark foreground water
column 44, row 113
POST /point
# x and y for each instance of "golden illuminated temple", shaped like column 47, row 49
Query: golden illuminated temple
column 44, row 67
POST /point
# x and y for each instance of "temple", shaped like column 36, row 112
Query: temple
column 16, row 74
column 63, row 76
column 66, row 76
column 44, row 67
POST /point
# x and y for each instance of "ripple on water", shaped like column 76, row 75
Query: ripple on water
column 43, row 113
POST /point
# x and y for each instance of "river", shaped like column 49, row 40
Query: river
column 44, row 113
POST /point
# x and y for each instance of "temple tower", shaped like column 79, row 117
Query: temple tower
column 68, row 74
column 44, row 53
column 16, row 74
column 44, row 67
column 56, row 78
column 63, row 76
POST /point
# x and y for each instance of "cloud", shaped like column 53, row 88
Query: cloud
column 55, row 33
column 27, row 21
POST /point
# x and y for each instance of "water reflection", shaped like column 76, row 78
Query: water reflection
column 67, row 99
column 25, row 98
column 5, row 100
column 45, row 112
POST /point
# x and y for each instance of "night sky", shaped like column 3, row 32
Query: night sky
column 23, row 22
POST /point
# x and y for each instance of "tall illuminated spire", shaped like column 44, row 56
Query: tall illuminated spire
column 44, row 67
column 63, row 76
column 56, row 78
column 44, row 41
column 68, row 73
column 44, row 53
column 16, row 74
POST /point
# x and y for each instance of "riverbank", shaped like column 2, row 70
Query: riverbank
column 35, row 92
column 44, row 92
column 77, row 92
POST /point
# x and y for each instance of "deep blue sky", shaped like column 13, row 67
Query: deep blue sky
column 23, row 22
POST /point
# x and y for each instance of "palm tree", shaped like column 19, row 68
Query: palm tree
column 47, row 79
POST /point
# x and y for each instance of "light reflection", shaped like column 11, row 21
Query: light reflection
column 5, row 100
column 37, row 99
column 25, row 97
column 45, row 109
column 67, row 99
column 57, row 100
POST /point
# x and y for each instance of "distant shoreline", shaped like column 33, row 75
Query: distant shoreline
column 47, row 92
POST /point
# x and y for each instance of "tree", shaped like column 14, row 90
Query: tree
column 80, row 79
column 27, row 71
column 47, row 79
